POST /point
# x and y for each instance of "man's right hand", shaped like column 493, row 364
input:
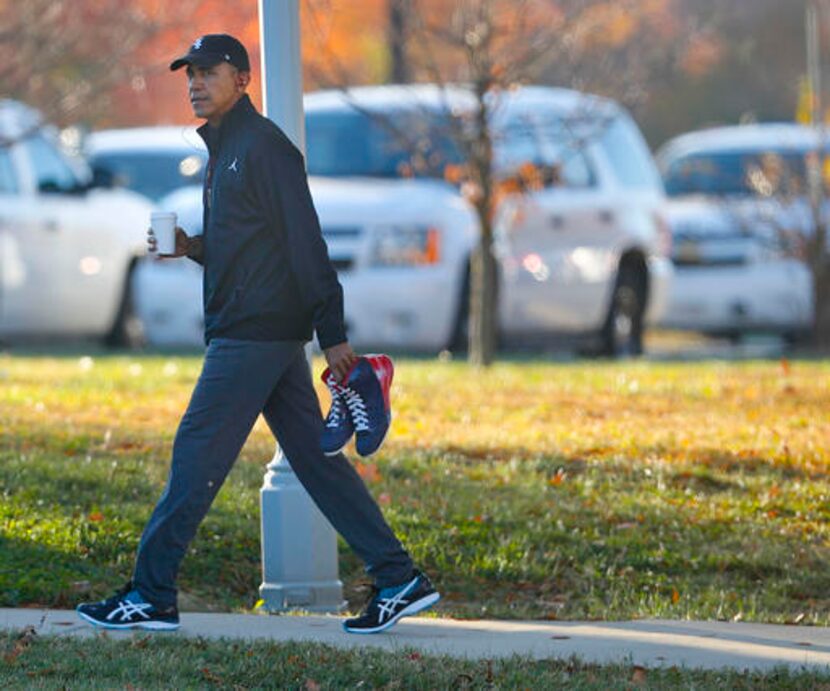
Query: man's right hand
column 182, row 244
column 340, row 359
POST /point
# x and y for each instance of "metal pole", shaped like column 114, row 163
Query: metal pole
column 299, row 546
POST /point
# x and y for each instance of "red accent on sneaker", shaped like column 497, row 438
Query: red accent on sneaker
column 385, row 371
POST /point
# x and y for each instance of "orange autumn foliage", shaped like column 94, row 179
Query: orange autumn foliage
column 345, row 43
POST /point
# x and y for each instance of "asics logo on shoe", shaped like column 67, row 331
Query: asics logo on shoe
column 389, row 606
column 127, row 609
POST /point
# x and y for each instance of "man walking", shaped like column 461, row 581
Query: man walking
column 268, row 284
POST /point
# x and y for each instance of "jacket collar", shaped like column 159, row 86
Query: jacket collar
column 213, row 137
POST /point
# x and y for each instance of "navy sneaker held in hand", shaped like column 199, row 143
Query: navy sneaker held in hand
column 366, row 394
column 388, row 605
column 128, row 610
column 338, row 428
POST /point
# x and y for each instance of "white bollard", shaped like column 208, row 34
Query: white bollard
column 299, row 547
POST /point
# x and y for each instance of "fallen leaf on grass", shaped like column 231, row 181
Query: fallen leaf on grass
column 96, row 517
column 140, row 642
column 210, row 676
column 557, row 479
column 639, row 675
column 368, row 471
column 23, row 641
column 675, row 596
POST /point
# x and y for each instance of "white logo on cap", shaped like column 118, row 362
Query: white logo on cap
column 197, row 44
column 227, row 57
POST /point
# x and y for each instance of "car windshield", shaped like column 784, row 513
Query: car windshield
column 153, row 174
column 745, row 173
column 384, row 145
column 521, row 142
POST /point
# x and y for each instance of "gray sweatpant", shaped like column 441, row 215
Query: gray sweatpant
column 240, row 380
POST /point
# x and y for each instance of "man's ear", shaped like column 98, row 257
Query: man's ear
column 243, row 79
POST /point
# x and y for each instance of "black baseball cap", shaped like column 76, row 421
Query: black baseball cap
column 211, row 49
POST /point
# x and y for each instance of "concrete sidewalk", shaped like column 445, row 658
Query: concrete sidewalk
column 650, row 643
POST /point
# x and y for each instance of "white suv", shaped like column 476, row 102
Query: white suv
column 68, row 251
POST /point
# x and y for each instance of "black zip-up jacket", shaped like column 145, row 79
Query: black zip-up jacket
column 267, row 276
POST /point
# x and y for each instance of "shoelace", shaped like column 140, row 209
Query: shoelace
column 357, row 407
column 336, row 413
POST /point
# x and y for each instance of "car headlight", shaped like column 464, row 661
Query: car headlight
column 406, row 246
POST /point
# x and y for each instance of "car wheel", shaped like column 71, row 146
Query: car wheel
column 127, row 329
column 622, row 332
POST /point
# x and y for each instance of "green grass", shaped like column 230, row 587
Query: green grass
column 535, row 490
column 160, row 662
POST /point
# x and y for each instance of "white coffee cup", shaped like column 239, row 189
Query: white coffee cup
column 163, row 224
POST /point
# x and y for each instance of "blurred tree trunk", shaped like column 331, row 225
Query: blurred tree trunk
column 821, row 325
column 819, row 264
column 400, row 20
column 483, row 303
column 483, row 324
